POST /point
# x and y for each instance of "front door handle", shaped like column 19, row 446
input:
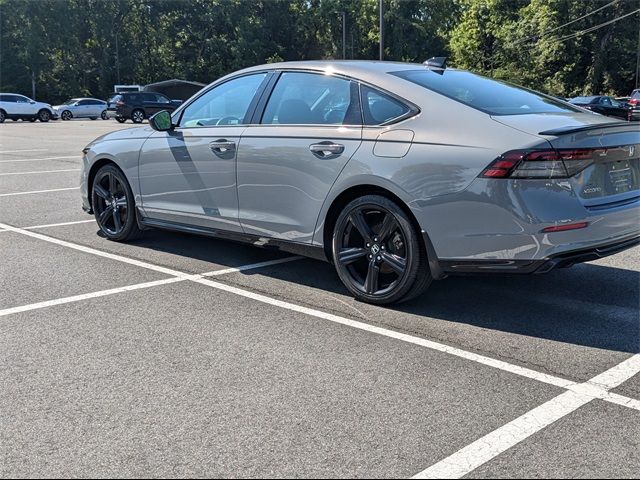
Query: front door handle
column 326, row 149
column 223, row 148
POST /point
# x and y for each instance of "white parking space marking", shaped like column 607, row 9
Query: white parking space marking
column 52, row 225
column 138, row 286
column 30, row 150
column 467, row 459
column 592, row 389
column 38, row 191
column 41, row 171
column 40, row 159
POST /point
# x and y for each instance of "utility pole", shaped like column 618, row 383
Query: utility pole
column 344, row 35
column 117, row 59
column 33, row 85
column 638, row 59
column 381, row 3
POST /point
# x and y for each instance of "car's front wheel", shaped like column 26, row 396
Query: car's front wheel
column 44, row 115
column 66, row 115
column 378, row 252
column 103, row 115
column 137, row 116
column 114, row 205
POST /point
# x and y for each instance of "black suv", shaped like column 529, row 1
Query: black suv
column 138, row 105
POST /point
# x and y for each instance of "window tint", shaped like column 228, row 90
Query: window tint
column 21, row 99
column 490, row 96
column 226, row 104
column 379, row 108
column 8, row 98
column 83, row 103
column 605, row 101
column 313, row 99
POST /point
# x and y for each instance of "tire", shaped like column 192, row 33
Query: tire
column 93, row 118
column 113, row 205
column 44, row 115
column 15, row 119
column 32, row 119
column 137, row 116
column 377, row 252
column 121, row 120
column 3, row 116
column 103, row 115
column 66, row 115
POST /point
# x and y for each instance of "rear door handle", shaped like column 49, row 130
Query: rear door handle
column 223, row 147
column 326, row 149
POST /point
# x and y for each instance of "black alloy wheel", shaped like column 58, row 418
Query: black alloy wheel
column 103, row 115
column 113, row 205
column 377, row 252
column 66, row 115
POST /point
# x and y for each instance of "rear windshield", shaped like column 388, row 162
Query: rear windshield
column 490, row 96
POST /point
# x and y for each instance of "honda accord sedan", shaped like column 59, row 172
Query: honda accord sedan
column 396, row 173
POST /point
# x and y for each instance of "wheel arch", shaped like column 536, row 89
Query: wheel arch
column 355, row 191
column 97, row 165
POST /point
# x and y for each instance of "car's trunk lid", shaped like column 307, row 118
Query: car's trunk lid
column 613, row 178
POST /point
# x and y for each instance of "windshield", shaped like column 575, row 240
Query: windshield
column 490, row 96
column 582, row 99
column 71, row 101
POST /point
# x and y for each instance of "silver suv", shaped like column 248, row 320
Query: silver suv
column 18, row 107
column 396, row 173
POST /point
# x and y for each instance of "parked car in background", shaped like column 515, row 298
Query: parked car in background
column 82, row 108
column 18, row 107
column 634, row 105
column 396, row 173
column 136, row 106
column 603, row 105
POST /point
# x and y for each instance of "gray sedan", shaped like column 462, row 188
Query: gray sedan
column 396, row 173
column 82, row 108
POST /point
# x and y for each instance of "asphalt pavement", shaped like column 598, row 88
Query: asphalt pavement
column 177, row 355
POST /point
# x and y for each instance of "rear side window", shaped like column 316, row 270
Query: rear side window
column 379, row 108
column 312, row 99
column 490, row 96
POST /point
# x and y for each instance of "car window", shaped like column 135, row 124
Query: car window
column 21, row 99
column 605, row 101
column 8, row 98
column 379, row 108
column 161, row 98
column 226, row 104
column 83, row 103
column 485, row 94
column 312, row 99
column 137, row 98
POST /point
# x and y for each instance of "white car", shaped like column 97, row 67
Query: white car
column 82, row 108
column 17, row 107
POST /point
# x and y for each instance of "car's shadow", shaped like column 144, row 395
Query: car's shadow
column 589, row 304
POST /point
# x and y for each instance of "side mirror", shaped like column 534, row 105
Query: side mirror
column 161, row 121
column 32, row 102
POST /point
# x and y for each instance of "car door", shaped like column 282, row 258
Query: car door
column 82, row 109
column 310, row 127
column 188, row 175
column 24, row 106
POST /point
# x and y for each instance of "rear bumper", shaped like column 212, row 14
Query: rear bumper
column 561, row 260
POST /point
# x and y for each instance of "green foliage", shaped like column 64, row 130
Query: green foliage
column 84, row 47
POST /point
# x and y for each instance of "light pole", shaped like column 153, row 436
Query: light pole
column 344, row 35
column 381, row 3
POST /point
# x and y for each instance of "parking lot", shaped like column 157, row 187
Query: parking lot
column 179, row 355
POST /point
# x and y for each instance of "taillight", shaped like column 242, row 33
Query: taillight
column 562, row 163
column 633, row 101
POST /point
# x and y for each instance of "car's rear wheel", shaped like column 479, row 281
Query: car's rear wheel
column 66, row 115
column 378, row 253
column 44, row 115
column 103, row 115
column 137, row 116
column 113, row 205
column 3, row 116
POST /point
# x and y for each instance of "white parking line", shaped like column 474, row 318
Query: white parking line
column 30, row 150
column 39, row 159
column 52, row 225
column 467, row 459
column 38, row 191
column 593, row 391
column 41, row 171
column 138, row 286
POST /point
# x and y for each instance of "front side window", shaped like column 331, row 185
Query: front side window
column 21, row 99
column 226, row 104
column 485, row 94
column 312, row 99
column 379, row 108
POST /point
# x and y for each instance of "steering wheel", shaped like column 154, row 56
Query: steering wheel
column 228, row 120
